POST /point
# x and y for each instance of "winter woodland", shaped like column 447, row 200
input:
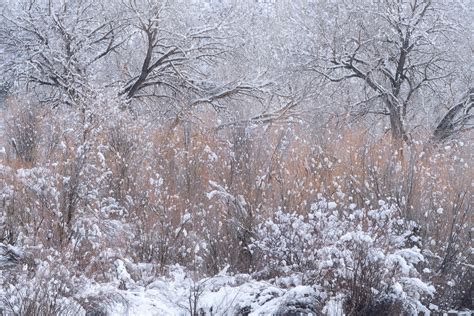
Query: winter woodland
column 236, row 157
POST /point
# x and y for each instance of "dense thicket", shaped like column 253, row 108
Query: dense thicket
column 324, row 146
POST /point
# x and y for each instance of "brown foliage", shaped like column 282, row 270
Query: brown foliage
column 148, row 177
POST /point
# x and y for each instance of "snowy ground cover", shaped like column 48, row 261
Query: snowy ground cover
column 220, row 295
column 329, row 260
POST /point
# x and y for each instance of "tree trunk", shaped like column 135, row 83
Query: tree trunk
column 397, row 129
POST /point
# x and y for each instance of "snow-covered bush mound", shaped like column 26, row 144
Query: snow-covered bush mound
column 178, row 294
column 366, row 256
column 47, row 293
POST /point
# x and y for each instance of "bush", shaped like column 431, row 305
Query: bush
column 367, row 255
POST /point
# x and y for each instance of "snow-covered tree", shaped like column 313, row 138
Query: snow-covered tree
column 393, row 54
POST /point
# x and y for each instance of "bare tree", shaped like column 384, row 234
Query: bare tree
column 53, row 48
column 458, row 119
column 69, row 52
column 394, row 49
column 177, row 58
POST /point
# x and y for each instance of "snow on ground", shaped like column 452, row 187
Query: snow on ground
column 220, row 295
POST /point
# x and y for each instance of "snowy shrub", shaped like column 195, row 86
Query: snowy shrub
column 163, row 243
column 234, row 227
column 23, row 132
column 367, row 255
column 9, row 255
column 42, row 288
